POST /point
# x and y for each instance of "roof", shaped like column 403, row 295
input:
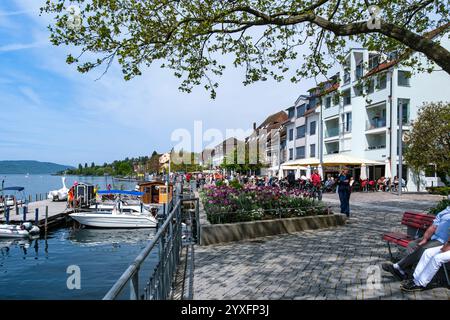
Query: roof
column 309, row 111
column 386, row 65
column 130, row 193
column 274, row 120
column 13, row 189
column 149, row 183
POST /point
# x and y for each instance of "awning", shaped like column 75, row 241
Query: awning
column 130, row 193
column 13, row 189
column 332, row 159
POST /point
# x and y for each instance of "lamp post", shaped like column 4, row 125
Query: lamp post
column 400, row 148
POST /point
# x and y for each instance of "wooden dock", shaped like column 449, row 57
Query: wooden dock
column 57, row 213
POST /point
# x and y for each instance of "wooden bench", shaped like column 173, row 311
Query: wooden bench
column 417, row 224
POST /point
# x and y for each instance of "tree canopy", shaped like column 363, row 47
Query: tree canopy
column 428, row 142
column 262, row 36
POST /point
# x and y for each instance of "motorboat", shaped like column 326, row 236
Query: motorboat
column 11, row 200
column 60, row 194
column 26, row 229
column 121, row 216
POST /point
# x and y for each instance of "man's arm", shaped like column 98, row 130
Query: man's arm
column 428, row 234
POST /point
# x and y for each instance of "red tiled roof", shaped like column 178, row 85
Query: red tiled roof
column 386, row 65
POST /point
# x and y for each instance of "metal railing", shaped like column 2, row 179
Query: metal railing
column 169, row 242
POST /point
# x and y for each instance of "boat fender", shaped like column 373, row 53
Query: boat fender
column 34, row 230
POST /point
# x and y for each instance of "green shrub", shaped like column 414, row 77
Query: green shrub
column 443, row 191
column 235, row 184
column 441, row 205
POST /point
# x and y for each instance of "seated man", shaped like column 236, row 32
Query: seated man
column 435, row 236
column 429, row 264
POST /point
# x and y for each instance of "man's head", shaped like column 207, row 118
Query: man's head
column 345, row 171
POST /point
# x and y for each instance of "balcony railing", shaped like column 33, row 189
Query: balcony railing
column 332, row 132
column 375, row 123
column 346, row 77
column 359, row 72
column 374, row 147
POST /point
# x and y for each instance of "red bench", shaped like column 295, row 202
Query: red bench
column 417, row 224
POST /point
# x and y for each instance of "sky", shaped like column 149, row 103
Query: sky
column 51, row 112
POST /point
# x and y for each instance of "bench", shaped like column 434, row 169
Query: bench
column 417, row 224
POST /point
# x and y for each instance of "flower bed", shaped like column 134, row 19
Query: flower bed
column 227, row 204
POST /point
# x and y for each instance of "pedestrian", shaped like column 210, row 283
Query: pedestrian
column 344, row 191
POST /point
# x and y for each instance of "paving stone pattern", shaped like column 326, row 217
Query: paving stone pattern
column 338, row 263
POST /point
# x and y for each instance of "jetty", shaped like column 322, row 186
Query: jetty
column 44, row 213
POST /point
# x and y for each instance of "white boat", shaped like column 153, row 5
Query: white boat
column 24, row 230
column 118, row 214
column 60, row 194
column 114, row 219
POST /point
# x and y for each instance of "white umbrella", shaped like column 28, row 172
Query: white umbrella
column 308, row 172
column 387, row 169
column 363, row 175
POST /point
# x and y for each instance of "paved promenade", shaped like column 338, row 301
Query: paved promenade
column 324, row 264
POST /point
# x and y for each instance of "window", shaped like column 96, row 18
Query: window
column 370, row 85
column 359, row 71
column 299, row 152
column 291, row 112
column 381, row 81
column 404, row 104
column 346, row 77
column 291, row 154
column 327, row 102
column 312, row 128
column 358, row 90
column 301, row 131
column 301, row 110
column 347, row 122
column 291, row 134
column 403, row 78
column 347, row 97
column 374, row 61
column 312, row 150
column 336, row 99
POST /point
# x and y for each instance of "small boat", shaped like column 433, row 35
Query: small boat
column 60, row 194
column 11, row 200
column 26, row 229
column 121, row 215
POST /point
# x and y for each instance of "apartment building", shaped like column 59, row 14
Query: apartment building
column 361, row 110
column 270, row 137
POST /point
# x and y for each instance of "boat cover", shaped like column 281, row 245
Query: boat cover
column 130, row 193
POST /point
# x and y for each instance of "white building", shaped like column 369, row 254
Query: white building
column 361, row 114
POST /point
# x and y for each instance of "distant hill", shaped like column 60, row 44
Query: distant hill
column 31, row 167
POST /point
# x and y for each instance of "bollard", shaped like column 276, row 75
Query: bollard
column 17, row 209
column 24, row 213
column 7, row 215
column 36, row 216
column 46, row 218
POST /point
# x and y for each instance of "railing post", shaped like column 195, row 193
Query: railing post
column 134, row 286
column 24, row 213
column 197, row 221
column 7, row 215
column 36, row 216
column 46, row 218
column 17, row 208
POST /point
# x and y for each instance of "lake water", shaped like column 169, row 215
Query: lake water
column 42, row 184
column 37, row 269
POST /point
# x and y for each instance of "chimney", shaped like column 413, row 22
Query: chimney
column 254, row 125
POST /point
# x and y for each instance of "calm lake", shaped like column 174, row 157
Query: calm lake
column 42, row 184
column 37, row 269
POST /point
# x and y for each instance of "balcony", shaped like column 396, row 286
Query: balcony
column 375, row 123
column 346, row 77
column 331, row 132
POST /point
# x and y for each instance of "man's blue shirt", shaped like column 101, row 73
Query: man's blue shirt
column 442, row 222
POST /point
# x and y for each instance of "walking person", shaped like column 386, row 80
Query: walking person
column 344, row 191
column 316, row 181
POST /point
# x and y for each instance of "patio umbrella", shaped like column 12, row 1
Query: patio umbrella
column 308, row 172
column 297, row 173
column 280, row 174
column 387, row 169
column 363, row 175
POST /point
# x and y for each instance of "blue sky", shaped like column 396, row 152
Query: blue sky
column 50, row 112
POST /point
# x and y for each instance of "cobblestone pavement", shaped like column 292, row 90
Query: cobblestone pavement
column 323, row 264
